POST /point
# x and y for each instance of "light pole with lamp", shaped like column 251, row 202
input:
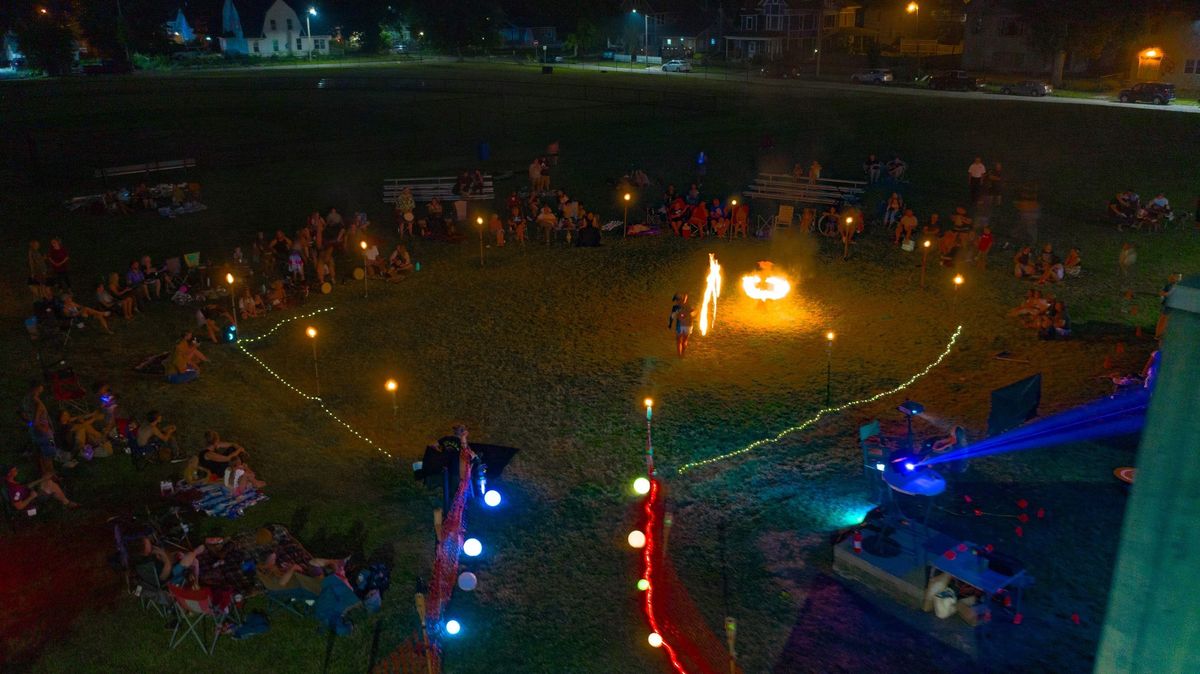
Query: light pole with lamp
column 732, row 215
column 915, row 9
column 649, row 403
column 391, row 387
column 627, row 197
column 924, row 258
column 958, row 281
column 232, row 298
column 363, row 244
column 828, row 367
column 312, row 11
column 545, row 58
column 479, row 223
column 312, row 336
column 645, row 39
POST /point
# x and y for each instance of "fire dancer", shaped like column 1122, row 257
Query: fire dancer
column 681, row 316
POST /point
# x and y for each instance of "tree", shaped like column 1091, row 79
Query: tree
column 44, row 35
column 117, row 28
column 586, row 36
column 1087, row 29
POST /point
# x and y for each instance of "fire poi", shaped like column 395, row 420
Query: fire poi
column 712, row 290
column 763, row 285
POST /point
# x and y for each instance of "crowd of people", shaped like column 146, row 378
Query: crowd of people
column 1127, row 210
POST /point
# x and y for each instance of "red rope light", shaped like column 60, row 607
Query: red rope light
column 648, row 574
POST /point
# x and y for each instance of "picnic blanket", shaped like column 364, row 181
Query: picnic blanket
column 230, row 563
column 215, row 500
column 189, row 207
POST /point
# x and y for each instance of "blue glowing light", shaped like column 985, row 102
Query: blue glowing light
column 453, row 627
column 909, row 465
column 880, row 467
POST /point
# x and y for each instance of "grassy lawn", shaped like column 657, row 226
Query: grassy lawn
column 552, row 351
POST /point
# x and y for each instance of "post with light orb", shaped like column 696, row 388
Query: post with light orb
column 363, row 244
column 828, row 367
column 958, row 281
column 732, row 209
column 479, row 223
column 924, row 259
column 391, row 385
column 312, row 336
column 627, row 197
column 232, row 297
column 649, row 403
column 312, row 11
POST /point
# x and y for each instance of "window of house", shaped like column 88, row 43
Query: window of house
column 774, row 22
column 299, row 45
column 272, row 24
column 289, row 24
column 747, row 23
column 1192, row 66
column 772, row 8
column 318, row 44
column 274, row 45
column 256, row 50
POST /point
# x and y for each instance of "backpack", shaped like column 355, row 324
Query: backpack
column 376, row 577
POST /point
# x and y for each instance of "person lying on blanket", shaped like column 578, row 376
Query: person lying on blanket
column 240, row 478
column 308, row 576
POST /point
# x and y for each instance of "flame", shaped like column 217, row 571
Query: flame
column 712, row 290
column 777, row 287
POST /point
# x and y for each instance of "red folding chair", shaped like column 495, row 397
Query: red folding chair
column 66, row 389
column 195, row 609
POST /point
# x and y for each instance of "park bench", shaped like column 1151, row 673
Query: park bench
column 822, row 191
column 424, row 189
column 145, row 169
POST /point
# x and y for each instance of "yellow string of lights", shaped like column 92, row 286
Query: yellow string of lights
column 828, row 410
column 241, row 345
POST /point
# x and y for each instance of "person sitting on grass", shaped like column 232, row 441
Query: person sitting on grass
column 111, row 304
column 1073, row 265
column 892, row 210
column 250, row 305
column 155, row 279
column 239, row 477
column 152, row 438
column 1023, row 265
column 547, row 222
column 276, row 575
column 74, row 310
column 1053, row 271
column 122, row 293
column 216, row 455
column 23, row 496
column 905, row 226
column 174, row 572
column 1033, row 305
column 80, row 432
column 206, row 320
column 399, row 262
column 184, row 363
column 135, row 279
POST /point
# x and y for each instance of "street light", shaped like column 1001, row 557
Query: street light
column 232, row 299
column 645, row 38
column 915, row 9
column 312, row 336
column 627, row 197
column 391, row 387
column 828, row 366
column 312, row 11
column 479, row 223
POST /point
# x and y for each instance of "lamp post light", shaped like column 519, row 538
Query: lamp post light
column 391, row 387
column 649, row 403
column 958, row 281
column 312, row 11
column 312, row 336
column 627, row 197
column 847, row 235
column 232, row 298
column 915, row 9
column 363, row 244
column 645, row 40
column 732, row 215
column 828, row 367
column 545, row 58
column 479, row 223
column 924, row 259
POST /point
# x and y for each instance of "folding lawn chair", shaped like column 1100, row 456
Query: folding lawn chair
column 295, row 600
column 196, row 610
column 149, row 590
column 66, row 390
column 785, row 216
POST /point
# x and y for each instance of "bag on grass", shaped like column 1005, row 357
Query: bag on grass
column 255, row 623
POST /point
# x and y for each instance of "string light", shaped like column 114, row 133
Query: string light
column 828, row 410
column 241, row 345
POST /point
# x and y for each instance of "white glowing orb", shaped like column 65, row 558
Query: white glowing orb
column 492, row 498
column 637, row 539
column 655, row 639
column 472, row 547
column 453, row 627
column 641, row 485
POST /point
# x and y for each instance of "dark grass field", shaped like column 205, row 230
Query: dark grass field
column 553, row 350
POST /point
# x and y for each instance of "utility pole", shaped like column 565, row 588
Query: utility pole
column 820, row 27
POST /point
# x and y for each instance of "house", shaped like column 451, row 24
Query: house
column 10, row 52
column 525, row 35
column 281, row 33
column 996, row 39
column 931, row 27
column 1169, row 52
column 684, row 37
column 772, row 29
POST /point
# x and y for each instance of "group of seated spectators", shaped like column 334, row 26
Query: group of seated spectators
column 691, row 216
column 1127, row 210
column 874, row 169
column 1047, row 267
column 1045, row 314
column 143, row 197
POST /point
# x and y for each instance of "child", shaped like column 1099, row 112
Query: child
column 296, row 263
column 984, row 245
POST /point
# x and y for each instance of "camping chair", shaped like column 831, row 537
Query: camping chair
column 66, row 390
column 295, row 600
column 148, row 588
column 785, row 216
column 195, row 610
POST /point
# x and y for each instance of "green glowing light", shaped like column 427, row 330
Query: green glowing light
column 643, row 584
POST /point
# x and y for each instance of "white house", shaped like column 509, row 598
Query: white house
column 282, row 33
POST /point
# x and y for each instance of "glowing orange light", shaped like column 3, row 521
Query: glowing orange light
column 770, row 288
column 1151, row 53
column 912, row 8
column 628, row 196
column 958, row 280
column 712, row 290
column 648, row 402
column 229, row 279
column 362, row 244
column 391, row 385
column 311, row 332
column 927, row 243
column 829, row 335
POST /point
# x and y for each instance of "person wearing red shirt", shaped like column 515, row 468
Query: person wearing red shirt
column 984, row 244
column 60, row 263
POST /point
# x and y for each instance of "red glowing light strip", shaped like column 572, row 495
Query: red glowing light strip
column 648, row 573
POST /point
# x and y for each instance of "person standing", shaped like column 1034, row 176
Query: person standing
column 995, row 183
column 976, row 173
column 681, row 315
column 60, row 264
column 984, row 244
column 1127, row 258
column 37, row 271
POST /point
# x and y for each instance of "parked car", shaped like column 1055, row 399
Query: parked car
column 1027, row 88
column 1158, row 93
column 780, row 70
column 872, row 76
column 677, row 66
column 955, row 80
column 107, row 67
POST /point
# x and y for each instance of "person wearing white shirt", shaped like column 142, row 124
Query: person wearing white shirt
column 975, row 174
